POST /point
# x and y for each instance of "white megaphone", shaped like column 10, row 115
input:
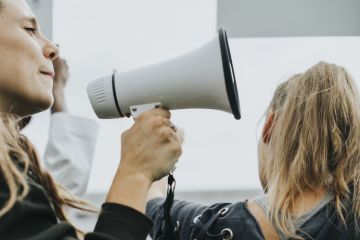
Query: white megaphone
column 202, row 78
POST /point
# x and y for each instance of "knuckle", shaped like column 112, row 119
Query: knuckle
column 144, row 116
column 166, row 133
column 157, row 122
column 141, row 117
column 161, row 121
column 180, row 151
column 167, row 113
column 177, row 150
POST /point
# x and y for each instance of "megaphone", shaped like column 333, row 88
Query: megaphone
column 202, row 78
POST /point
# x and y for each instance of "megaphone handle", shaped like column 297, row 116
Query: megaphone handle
column 137, row 110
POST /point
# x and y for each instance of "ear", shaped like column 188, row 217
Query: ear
column 267, row 131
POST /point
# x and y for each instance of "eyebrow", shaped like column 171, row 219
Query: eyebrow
column 32, row 20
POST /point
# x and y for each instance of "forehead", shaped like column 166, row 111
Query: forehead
column 17, row 9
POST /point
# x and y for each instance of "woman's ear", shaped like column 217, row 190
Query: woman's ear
column 267, row 131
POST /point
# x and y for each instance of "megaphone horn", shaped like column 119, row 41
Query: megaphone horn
column 202, row 78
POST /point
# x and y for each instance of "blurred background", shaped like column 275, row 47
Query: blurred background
column 269, row 41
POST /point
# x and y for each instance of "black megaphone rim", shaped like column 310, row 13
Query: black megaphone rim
column 229, row 75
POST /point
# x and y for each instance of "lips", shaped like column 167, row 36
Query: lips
column 51, row 74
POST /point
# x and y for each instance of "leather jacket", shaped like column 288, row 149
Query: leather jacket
column 225, row 221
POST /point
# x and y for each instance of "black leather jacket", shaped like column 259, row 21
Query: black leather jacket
column 34, row 218
column 234, row 221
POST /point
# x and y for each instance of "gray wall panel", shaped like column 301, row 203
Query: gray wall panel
column 43, row 10
column 280, row 18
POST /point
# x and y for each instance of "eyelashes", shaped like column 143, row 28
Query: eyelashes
column 31, row 30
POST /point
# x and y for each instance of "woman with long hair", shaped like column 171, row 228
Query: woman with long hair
column 31, row 202
column 309, row 167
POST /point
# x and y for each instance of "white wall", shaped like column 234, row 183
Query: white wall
column 219, row 152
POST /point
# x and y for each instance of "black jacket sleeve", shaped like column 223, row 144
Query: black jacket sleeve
column 33, row 218
column 182, row 212
column 201, row 222
column 121, row 222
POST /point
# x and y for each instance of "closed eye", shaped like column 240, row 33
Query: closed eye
column 31, row 30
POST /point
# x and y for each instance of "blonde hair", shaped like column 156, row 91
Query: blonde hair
column 17, row 157
column 10, row 151
column 315, row 142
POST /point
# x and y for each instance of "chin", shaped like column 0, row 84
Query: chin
column 43, row 105
column 32, row 107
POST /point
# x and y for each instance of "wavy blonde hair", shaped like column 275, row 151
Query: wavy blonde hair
column 18, row 157
column 315, row 142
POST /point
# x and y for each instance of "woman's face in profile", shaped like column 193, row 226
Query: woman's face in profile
column 26, row 69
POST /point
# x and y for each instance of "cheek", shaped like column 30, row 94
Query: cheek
column 21, row 83
column 18, row 47
column 29, row 73
column 17, row 65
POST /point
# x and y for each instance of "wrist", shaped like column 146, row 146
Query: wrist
column 55, row 108
column 59, row 102
column 133, row 176
column 130, row 189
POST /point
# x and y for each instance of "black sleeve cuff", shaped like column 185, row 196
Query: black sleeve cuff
column 121, row 221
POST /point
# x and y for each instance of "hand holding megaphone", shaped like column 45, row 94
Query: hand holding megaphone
column 202, row 78
column 151, row 146
column 149, row 151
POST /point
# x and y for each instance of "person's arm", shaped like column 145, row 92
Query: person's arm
column 33, row 218
column 149, row 150
column 61, row 78
column 158, row 189
column 118, row 221
column 69, row 152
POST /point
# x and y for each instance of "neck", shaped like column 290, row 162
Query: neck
column 5, row 104
column 308, row 200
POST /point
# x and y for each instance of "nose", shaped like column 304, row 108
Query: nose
column 50, row 50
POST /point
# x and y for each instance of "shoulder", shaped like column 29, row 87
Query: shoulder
column 327, row 224
column 197, row 221
column 227, row 220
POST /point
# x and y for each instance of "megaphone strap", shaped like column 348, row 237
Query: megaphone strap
column 168, row 231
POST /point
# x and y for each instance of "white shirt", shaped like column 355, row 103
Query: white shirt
column 70, row 150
